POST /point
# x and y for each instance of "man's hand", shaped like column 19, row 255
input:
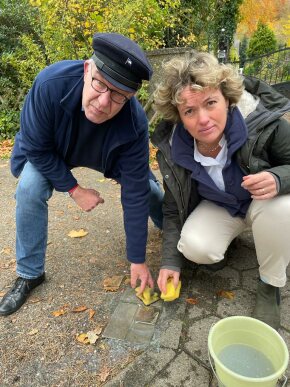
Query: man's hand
column 261, row 185
column 164, row 274
column 86, row 198
column 140, row 271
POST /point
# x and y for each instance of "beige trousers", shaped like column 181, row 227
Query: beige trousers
column 209, row 230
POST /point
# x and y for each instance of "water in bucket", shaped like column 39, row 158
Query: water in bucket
column 246, row 361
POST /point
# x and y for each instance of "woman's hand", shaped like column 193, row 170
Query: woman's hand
column 164, row 274
column 261, row 185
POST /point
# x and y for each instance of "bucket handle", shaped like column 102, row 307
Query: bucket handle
column 215, row 374
column 285, row 381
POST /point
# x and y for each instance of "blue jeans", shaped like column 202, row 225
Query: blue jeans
column 32, row 194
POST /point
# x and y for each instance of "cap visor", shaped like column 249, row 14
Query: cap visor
column 116, row 83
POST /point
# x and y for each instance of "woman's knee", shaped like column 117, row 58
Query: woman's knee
column 198, row 250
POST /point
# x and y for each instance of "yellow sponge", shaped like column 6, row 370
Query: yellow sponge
column 148, row 296
column 171, row 292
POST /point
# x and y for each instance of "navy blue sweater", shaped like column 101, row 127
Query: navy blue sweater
column 47, row 117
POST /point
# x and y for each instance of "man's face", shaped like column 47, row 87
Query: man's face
column 99, row 106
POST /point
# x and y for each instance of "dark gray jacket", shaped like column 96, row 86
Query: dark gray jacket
column 267, row 148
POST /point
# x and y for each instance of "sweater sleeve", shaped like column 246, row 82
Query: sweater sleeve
column 38, row 137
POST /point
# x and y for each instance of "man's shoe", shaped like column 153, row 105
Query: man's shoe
column 18, row 294
column 267, row 308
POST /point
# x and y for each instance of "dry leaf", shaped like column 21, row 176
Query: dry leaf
column 92, row 337
column 91, row 313
column 6, row 250
column 82, row 338
column 101, row 180
column 2, row 294
column 33, row 332
column 104, row 374
column 226, row 294
column 192, row 301
column 58, row 313
column 77, row 234
column 78, row 309
column 112, row 284
column 34, row 300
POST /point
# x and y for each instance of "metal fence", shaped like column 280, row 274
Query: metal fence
column 273, row 67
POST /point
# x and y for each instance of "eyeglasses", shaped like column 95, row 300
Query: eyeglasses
column 101, row 87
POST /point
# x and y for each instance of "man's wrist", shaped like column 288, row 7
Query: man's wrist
column 71, row 191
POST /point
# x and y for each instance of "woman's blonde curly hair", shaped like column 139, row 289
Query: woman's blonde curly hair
column 198, row 70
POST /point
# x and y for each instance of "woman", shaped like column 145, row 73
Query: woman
column 225, row 168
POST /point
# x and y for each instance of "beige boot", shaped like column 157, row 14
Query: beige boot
column 267, row 308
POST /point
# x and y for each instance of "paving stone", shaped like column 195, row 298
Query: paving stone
column 140, row 333
column 250, row 279
column 132, row 322
column 241, row 305
column 230, row 277
column 173, row 310
column 195, row 311
column 286, row 337
column 143, row 370
column 171, row 334
column 197, row 336
column 285, row 307
column 244, row 259
column 184, row 371
column 121, row 321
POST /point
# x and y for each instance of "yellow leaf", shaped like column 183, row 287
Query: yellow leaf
column 112, row 284
column 101, row 180
column 226, row 294
column 91, row 313
column 83, row 338
column 92, row 337
column 33, row 332
column 58, row 313
column 77, row 234
column 78, row 309
column 6, row 250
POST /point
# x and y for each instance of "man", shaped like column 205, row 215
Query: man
column 83, row 113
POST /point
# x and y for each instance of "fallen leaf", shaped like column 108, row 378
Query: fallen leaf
column 2, row 294
column 6, row 250
column 83, row 338
column 226, row 294
column 101, row 180
column 104, row 374
column 192, row 301
column 33, row 332
column 91, row 313
column 34, row 300
column 58, row 313
column 77, row 234
column 78, row 309
column 112, row 284
column 92, row 337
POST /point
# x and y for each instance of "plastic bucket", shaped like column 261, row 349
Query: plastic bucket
column 254, row 333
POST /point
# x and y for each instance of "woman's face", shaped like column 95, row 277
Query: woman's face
column 203, row 114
